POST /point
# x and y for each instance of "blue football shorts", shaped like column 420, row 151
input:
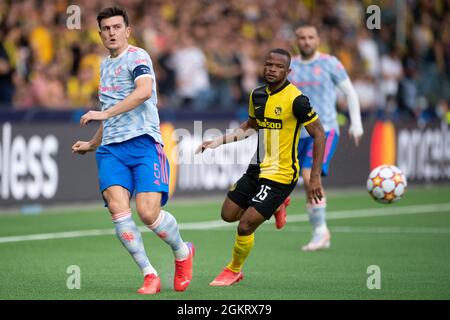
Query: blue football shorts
column 138, row 164
column 305, row 151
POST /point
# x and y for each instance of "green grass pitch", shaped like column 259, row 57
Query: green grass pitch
column 409, row 241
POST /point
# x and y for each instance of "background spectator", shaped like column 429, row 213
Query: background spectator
column 206, row 53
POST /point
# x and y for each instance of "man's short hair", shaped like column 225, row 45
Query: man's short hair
column 306, row 25
column 112, row 12
column 282, row 52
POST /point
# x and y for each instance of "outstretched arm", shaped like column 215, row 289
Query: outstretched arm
column 140, row 94
column 315, row 130
column 356, row 128
column 245, row 130
column 81, row 147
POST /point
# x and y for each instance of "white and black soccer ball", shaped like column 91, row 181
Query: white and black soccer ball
column 386, row 184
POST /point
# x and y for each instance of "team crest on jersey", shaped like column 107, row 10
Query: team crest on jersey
column 233, row 187
column 317, row 70
column 278, row 110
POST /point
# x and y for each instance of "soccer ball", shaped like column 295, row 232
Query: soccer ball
column 386, row 184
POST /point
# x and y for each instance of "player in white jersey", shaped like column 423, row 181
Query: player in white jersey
column 129, row 151
column 317, row 75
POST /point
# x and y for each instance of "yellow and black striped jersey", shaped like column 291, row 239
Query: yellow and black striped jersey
column 279, row 115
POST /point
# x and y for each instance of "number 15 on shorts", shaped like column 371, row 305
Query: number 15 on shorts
column 262, row 194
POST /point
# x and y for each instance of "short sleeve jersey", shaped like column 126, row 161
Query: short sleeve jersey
column 318, row 79
column 280, row 115
column 117, row 81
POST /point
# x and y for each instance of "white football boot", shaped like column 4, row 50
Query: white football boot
column 320, row 240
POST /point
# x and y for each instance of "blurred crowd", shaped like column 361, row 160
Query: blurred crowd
column 208, row 54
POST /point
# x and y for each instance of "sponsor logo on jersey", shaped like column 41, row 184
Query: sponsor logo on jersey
column 269, row 123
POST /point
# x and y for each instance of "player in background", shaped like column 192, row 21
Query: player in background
column 277, row 111
column 317, row 75
column 130, row 156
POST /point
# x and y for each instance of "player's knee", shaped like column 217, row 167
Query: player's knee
column 230, row 211
column 148, row 213
column 228, row 216
column 225, row 216
column 245, row 228
column 317, row 205
column 117, row 206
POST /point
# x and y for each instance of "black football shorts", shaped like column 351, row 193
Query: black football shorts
column 262, row 194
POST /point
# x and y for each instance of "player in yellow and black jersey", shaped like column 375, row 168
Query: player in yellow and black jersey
column 279, row 116
column 277, row 111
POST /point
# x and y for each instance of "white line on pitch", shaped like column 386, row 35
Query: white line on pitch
column 366, row 229
column 206, row 225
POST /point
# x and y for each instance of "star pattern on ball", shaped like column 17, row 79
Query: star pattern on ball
column 386, row 184
column 389, row 196
column 377, row 181
column 397, row 178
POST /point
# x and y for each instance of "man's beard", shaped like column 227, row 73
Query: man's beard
column 308, row 53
